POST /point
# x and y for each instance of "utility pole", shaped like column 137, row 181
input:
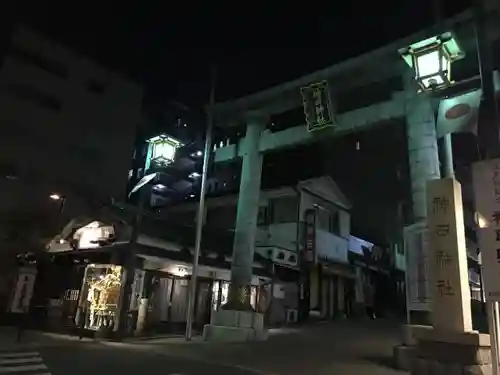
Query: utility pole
column 201, row 207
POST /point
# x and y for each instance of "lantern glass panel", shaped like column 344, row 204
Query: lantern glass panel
column 164, row 150
column 428, row 64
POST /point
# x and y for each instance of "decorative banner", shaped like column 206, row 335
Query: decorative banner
column 317, row 106
column 486, row 178
column 449, row 275
column 417, row 283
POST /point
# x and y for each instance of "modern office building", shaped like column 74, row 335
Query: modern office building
column 67, row 124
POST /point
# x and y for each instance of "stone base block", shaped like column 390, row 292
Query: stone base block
column 438, row 352
column 407, row 336
column 233, row 325
column 403, row 356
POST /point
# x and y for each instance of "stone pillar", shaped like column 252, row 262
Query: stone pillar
column 141, row 316
column 236, row 320
column 422, row 151
column 448, row 169
column 450, row 346
column 246, row 218
column 423, row 157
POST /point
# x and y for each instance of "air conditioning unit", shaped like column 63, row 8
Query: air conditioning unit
column 292, row 316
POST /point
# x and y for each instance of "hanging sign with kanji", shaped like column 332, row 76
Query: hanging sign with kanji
column 317, row 104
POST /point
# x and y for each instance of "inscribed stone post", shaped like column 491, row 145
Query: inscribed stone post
column 451, row 309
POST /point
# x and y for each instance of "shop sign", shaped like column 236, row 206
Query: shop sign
column 317, row 105
column 310, row 236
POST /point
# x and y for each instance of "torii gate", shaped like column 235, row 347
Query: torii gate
column 376, row 67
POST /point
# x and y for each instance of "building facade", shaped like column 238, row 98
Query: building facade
column 68, row 127
column 283, row 234
column 68, row 124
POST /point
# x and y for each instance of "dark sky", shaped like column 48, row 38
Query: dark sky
column 169, row 45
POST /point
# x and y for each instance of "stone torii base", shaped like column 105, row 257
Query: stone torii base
column 450, row 353
column 235, row 326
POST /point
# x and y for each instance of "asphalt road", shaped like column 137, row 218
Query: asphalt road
column 342, row 348
column 96, row 359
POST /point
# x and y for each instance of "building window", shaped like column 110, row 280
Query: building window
column 283, row 210
column 95, row 87
column 334, row 223
column 53, row 67
column 26, row 92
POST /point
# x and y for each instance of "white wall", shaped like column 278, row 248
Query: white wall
column 283, row 235
column 308, row 201
column 331, row 247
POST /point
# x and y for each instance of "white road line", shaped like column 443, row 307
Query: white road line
column 6, row 370
column 19, row 354
column 14, row 361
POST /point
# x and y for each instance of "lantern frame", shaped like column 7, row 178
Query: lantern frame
column 161, row 160
column 448, row 51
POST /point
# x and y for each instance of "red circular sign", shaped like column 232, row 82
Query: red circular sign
column 457, row 111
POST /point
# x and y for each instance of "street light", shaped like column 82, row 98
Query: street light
column 59, row 198
column 431, row 60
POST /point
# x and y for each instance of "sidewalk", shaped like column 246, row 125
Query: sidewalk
column 32, row 339
column 344, row 348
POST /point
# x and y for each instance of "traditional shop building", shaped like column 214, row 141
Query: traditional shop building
column 84, row 263
column 303, row 231
column 80, row 282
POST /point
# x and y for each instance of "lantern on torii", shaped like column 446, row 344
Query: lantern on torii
column 431, row 60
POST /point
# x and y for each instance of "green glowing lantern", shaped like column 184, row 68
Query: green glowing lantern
column 431, row 60
column 161, row 150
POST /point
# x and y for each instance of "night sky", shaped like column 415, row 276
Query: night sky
column 169, row 46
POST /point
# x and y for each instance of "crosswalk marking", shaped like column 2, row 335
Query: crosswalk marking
column 13, row 361
column 19, row 354
column 20, row 363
